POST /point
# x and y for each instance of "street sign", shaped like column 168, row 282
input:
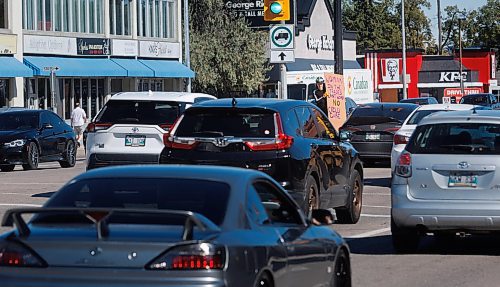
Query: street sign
column 281, row 36
column 282, row 56
column 50, row 68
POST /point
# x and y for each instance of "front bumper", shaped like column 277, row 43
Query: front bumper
column 110, row 159
column 15, row 155
column 435, row 215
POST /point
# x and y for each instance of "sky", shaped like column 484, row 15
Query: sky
column 432, row 13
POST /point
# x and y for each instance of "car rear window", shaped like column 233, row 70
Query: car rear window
column 475, row 100
column 367, row 114
column 143, row 112
column 247, row 123
column 456, row 138
column 208, row 198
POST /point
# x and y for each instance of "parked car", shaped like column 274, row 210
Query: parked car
column 371, row 128
column 420, row 101
column 129, row 128
column 410, row 124
column 487, row 100
column 29, row 137
column 293, row 141
column 446, row 179
column 171, row 226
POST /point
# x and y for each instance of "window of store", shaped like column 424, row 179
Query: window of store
column 145, row 85
column 83, row 16
column 4, row 92
column 3, row 14
column 120, row 16
column 156, row 18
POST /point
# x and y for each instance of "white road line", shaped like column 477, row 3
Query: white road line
column 376, row 215
column 376, row 206
column 20, row 204
column 369, row 233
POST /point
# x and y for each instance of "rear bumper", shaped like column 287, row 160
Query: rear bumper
column 111, row 159
column 373, row 150
column 468, row 215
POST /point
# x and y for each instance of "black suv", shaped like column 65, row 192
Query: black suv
column 292, row 141
column 486, row 100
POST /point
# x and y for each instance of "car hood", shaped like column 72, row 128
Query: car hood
column 7, row 136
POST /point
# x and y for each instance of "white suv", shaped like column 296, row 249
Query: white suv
column 130, row 127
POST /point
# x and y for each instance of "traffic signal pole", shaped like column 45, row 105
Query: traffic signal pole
column 282, row 86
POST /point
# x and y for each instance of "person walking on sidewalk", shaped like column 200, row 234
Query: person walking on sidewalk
column 78, row 119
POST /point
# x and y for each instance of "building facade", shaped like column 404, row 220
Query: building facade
column 93, row 48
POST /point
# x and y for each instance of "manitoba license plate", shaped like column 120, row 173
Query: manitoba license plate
column 458, row 180
column 135, row 140
column 372, row 137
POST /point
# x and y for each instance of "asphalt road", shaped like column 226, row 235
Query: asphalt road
column 469, row 261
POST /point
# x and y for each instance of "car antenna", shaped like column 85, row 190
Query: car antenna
column 234, row 102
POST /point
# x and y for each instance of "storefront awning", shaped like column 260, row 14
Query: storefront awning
column 134, row 67
column 75, row 67
column 10, row 67
column 168, row 69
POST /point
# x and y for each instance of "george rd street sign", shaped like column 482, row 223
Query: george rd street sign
column 281, row 36
column 282, row 56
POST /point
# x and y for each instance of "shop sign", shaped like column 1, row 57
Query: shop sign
column 49, row 45
column 359, row 85
column 323, row 43
column 457, row 92
column 124, row 48
column 159, row 49
column 390, row 70
column 452, row 76
column 336, row 99
column 8, row 44
column 493, row 66
column 252, row 11
column 93, row 46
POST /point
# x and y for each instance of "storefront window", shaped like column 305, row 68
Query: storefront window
column 145, row 85
column 156, row 18
column 4, row 92
column 119, row 12
column 3, row 14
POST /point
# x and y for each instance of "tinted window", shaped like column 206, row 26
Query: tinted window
column 481, row 100
column 144, row 112
column 368, row 114
column 456, row 138
column 227, row 122
column 306, row 121
column 279, row 209
column 18, row 121
column 291, row 123
column 54, row 119
column 325, row 128
column 208, row 198
column 297, row 92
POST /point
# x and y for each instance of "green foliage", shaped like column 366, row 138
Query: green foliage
column 226, row 54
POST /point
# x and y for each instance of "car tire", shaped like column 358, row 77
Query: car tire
column 69, row 155
column 342, row 270
column 311, row 200
column 32, row 157
column 7, row 168
column 404, row 240
column 264, row 281
column 351, row 213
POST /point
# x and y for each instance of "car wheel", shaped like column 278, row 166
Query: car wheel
column 264, row 281
column 352, row 212
column 404, row 240
column 7, row 168
column 342, row 270
column 32, row 157
column 312, row 196
column 69, row 155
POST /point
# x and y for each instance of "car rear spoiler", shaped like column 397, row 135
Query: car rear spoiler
column 13, row 217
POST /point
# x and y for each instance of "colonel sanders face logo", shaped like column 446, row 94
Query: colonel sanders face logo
column 392, row 68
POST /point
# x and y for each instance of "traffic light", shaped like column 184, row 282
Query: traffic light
column 276, row 10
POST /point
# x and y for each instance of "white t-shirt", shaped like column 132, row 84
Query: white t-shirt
column 78, row 117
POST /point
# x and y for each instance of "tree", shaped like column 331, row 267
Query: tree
column 418, row 31
column 226, row 54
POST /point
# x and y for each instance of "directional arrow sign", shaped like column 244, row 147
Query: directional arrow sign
column 282, row 56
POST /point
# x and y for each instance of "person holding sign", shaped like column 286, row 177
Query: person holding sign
column 321, row 95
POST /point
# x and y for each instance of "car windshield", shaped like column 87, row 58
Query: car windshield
column 475, row 100
column 18, row 121
column 419, row 115
column 227, row 122
column 143, row 112
column 208, row 198
column 456, row 138
column 365, row 115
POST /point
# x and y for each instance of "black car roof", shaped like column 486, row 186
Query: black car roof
column 274, row 104
column 477, row 95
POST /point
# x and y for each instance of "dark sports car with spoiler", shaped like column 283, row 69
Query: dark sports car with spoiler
column 172, row 226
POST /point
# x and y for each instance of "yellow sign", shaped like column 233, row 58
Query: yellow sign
column 8, row 44
column 336, row 99
column 276, row 10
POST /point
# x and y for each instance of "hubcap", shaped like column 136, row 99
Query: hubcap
column 34, row 155
column 71, row 153
column 356, row 193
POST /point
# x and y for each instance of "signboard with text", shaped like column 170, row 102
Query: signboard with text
column 128, row 48
column 93, row 46
column 34, row 44
column 155, row 49
column 252, row 11
column 8, row 44
column 336, row 99
column 457, row 92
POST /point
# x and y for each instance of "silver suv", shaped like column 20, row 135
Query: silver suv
column 447, row 180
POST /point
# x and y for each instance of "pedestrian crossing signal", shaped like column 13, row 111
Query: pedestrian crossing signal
column 276, row 10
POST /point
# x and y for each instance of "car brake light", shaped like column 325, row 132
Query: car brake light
column 94, row 127
column 169, row 139
column 15, row 255
column 392, row 130
column 280, row 142
column 400, row 139
column 203, row 256
column 403, row 166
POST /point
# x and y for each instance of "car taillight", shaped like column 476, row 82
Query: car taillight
column 403, row 166
column 169, row 139
column 203, row 256
column 15, row 255
column 392, row 130
column 400, row 139
column 281, row 140
column 93, row 127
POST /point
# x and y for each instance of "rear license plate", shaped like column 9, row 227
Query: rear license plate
column 134, row 140
column 372, row 137
column 459, row 180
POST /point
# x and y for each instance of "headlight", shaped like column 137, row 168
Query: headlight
column 15, row 143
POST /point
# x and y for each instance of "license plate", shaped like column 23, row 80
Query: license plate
column 372, row 137
column 135, row 140
column 458, row 180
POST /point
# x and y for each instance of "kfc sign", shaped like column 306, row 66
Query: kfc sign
column 390, row 70
column 452, row 77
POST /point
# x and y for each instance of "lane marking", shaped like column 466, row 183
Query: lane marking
column 376, row 215
column 376, row 206
column 20, row 204
column 369, row 233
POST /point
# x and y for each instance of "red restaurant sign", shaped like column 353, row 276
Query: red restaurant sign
column 457, row 92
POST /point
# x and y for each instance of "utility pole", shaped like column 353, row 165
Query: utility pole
column 187, row 54
column 405, row 96
column 460, row 55
column 440, row 31
column 283, row 85
column 339, row 56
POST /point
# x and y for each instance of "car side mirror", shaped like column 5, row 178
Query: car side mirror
column 345, row 135
column 47, row 126
column 322, row 217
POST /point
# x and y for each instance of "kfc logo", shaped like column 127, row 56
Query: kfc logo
column 390, row 70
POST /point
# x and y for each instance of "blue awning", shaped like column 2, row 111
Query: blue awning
column 168, row 69
column 10, row 67
column 134, row 67
column 75, row 67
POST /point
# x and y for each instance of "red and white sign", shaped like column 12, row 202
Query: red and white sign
column 457, row 92
column 390, row 70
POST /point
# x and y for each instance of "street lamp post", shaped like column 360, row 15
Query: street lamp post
column 405, row 96
column 187, row 55
column 460, row 55
column 53, row 83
